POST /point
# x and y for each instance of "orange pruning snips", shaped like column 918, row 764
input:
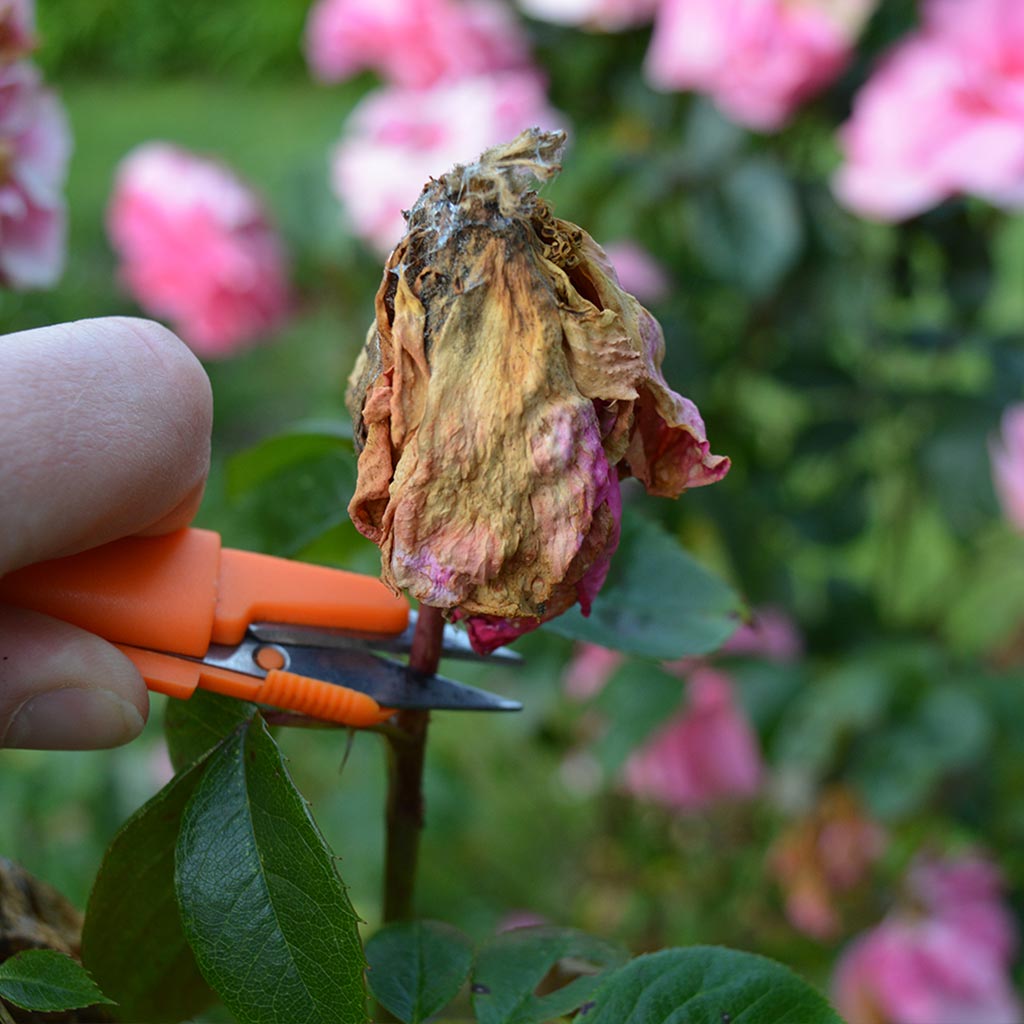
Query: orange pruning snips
column 298, row 637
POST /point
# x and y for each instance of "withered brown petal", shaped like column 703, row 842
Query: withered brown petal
column 504, row 378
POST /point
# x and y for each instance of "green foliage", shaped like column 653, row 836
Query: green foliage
column 706, row 984
column 749, row 226
column 243, row 39
column 294, row 487
column 695, row 616
column 261, row 901
column 540, row 974
column 418, row 967
column 512, row 966
column 45, row 980
column 132, row 941
column 195, row 726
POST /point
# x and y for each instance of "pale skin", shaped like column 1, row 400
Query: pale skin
column 104, row 433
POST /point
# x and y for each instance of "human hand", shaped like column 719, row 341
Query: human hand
column 104, row 433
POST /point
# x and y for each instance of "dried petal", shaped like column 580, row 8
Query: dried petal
column 508, row 383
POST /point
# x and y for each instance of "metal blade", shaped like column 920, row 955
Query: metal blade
column 455, row 642
column 390, row 683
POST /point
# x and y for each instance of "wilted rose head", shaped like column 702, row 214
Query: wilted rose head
column 507, row 384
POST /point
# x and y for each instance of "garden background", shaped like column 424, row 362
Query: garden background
column 855, row 372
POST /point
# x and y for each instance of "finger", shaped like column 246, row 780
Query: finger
column 181, row 515
column 106, row 432
column 62, row 688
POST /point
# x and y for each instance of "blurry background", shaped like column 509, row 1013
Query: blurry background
column 854, row 370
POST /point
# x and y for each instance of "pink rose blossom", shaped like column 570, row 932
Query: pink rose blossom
column 606, row 15
column 771, row 634
column 413, row 43
column 638, row 271
column 35, row 145
column 825, row 854
column 943, row 960
column 589, row 671
column 758, row 59
column 966, row 893
column 396, row 138
column 17, row 29
column 707, row 753
column 942, row 115
column 196, row 247
column 1007, row 456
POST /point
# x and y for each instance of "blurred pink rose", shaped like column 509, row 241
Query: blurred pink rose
column 943, row 960
column 758, row 59
column 413, row 43
column 966, row 893
column 395, row 139
column 590, row 669
column 35, row 145
column 196, row 247
column 161, row 769
column 1007, row 456
column 770, row 634
column 822, row 856
column 707, row 753
column 943, row 114
column 607, row 15
column 638, row 271
column 17, row 29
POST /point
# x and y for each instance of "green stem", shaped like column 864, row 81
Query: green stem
column 404, row 821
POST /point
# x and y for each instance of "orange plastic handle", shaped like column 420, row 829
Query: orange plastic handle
column 182, row 592
column 285, row 690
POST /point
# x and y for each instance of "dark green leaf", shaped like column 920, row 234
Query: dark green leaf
column 638, row 698
column 290, row 489
column 657, row 601
column 302, row 443
column 709, row 141
column 261, row 902
column 706, row 985
column 194, row 726
column 510, row 967
column 748, row 228
column 132, row 941
column 417, row 968
column 45, row 980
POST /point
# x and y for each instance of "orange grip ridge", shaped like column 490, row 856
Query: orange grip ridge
column 288, row 691
column 318, row 699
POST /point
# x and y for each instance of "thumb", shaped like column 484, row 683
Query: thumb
column 62, row 688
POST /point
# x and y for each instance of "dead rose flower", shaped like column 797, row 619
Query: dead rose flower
column 508, row 383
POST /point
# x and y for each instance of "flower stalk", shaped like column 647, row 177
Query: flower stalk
column 406, row 752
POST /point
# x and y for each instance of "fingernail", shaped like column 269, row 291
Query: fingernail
column 73, row 719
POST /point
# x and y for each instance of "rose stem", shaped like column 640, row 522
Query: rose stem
column 405, row 778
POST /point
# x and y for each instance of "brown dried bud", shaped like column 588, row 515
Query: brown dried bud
column 507, row 384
